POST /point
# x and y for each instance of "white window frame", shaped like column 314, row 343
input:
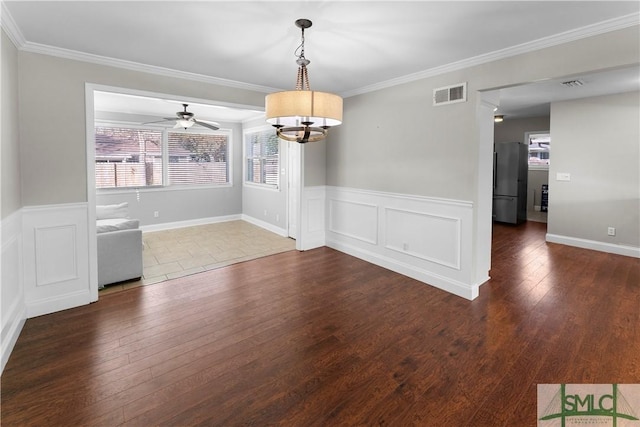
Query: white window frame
column 200, row 130
column 527, row 137
column 127, row 125
column 247, row 183
column 166, row 185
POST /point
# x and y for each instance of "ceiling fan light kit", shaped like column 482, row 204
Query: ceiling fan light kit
column 185, row 119
column 182, row 123
column 303, row 115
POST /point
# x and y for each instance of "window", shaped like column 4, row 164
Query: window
column 539, row 144
column 128, row 157
column 261, row 157
column 135, row 157
column 198, row 158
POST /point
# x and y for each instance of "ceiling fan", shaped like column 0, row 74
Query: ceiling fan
column 184, row 119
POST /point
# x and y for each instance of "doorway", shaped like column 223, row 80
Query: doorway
column 539, row 143
column 159, row 206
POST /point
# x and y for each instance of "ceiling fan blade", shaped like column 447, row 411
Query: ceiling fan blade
column 210, row 125
column 160, row 121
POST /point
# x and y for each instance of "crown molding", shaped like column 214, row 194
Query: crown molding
column 557, row 39
column 10, row 27
column 16, row 36
column 14, row 33
column 136, row 66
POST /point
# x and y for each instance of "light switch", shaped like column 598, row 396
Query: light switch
column 563, row 176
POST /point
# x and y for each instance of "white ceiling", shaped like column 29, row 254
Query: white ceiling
column 533, row 100
column 353, row 46
column 130, row 107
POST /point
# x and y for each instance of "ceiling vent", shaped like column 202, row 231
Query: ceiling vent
column 573, row 83
column 450, row 94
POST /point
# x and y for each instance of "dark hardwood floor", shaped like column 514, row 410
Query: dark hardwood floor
column 320, row 338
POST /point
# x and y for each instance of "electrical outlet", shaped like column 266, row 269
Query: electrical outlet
column 156, row 214
column 265, row 212
column 277, row 217
column 611, row 231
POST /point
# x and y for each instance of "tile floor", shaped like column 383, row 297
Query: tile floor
column 183, row 251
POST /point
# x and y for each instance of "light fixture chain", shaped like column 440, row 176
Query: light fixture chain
column 302, row 80
column 305, row 73
column 299, row 79
column 300, row 48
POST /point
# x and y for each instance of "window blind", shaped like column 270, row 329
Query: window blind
column 128, row 157
column 262, row 157
column 197, row 158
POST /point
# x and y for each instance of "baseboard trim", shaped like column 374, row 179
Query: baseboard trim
column 446, row 284
column 189, row 223
column 594, row 245
column 213, row 220
column 262, row 224
column 58, row 303
column 10, row 337
column 313, row 243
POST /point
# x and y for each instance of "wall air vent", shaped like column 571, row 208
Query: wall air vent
column 573, row 83
column 450, row 94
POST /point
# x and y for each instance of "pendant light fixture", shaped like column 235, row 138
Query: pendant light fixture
column 303, row 115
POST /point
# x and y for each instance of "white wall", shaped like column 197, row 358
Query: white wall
column 597, row 141
column 266, row 207
column 53, row 147
column 10, row 158
column 12, row 306
column 315, row 161
column 175, row 205
column 513, row 130
column 431, row 151
column 394, row 141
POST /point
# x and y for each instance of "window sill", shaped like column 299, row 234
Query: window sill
column 538, row 167
column 130, row 190
column 274, row 188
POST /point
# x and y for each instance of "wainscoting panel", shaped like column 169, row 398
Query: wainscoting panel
column 56, row 257
column 315, row 208
column 56, row 254
column 428, row 239
column 354, row 219
column 13, row 309
column 312, row 218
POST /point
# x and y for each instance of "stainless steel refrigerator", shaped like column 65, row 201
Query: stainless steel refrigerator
column 510, row 171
